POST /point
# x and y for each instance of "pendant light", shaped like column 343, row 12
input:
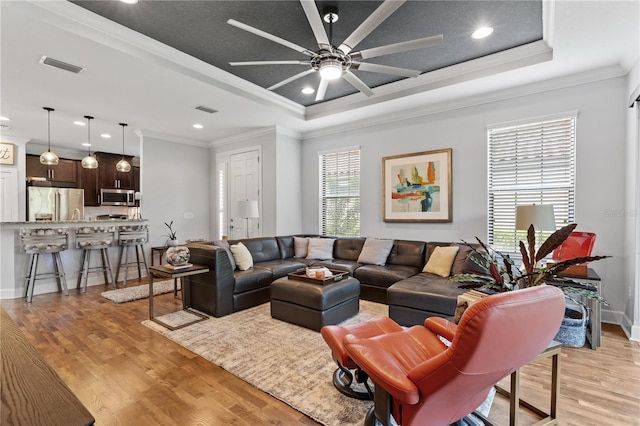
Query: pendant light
column 89, row 162
column 49, row 158
column 123, row 165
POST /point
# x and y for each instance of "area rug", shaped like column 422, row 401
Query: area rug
column 289, row 362
column 128, row 294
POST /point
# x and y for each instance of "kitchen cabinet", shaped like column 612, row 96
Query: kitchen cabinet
column 65, row 171
column 136, row 178
column 108, row 176
column 88, row 180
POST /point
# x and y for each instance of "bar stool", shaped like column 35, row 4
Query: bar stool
column 89, row 238
column 132, row 236
column 44, row 240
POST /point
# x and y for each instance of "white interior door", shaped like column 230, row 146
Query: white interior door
column 244, row 184
column 8, row 195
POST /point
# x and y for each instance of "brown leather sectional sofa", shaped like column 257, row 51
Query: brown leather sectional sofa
column 412, row 295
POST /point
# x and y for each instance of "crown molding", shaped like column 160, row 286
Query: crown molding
column 145, row 133
column 591, row 76
column 245, row 136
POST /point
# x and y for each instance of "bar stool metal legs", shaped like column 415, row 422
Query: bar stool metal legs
column 135, row 237
column 36, row 241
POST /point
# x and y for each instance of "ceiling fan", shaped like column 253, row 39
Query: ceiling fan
column 335, row 62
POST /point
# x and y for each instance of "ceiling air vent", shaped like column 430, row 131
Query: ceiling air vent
column 206, row 109
column 5, row 127
column 62, row 65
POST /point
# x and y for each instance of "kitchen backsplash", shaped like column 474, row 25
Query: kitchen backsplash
column 92, row 212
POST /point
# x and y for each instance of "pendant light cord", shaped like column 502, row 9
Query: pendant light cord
column 49, row 128
column 89, row 118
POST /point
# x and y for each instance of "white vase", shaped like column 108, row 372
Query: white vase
column 172, row 243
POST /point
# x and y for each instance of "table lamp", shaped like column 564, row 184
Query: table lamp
column 248, row 209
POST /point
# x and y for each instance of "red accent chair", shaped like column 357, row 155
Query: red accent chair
column 421, row 381
column 334, row 335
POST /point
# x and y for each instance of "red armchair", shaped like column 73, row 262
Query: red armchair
column 419, row 380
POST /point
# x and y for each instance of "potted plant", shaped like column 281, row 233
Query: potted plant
column 501, row 275
column 172, row 239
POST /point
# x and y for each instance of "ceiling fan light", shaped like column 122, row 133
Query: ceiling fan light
column 89, row 162
column 330, row 70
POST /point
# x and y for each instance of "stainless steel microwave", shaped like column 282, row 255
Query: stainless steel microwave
column 117, row 197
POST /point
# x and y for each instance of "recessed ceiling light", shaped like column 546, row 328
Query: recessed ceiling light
column 198, row 126
column 5, row 119
column 105, row 135
column 482, row 32
column 129, row 1
column 308, row 90
column 86, row 144
column 79, row 123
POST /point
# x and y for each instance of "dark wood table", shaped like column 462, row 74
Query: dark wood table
column 32, row 392
column 163, row 271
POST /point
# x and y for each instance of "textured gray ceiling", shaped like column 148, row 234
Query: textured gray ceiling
column 199, row 28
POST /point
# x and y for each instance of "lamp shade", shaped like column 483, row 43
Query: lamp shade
column 248, row 209
column 539, row 215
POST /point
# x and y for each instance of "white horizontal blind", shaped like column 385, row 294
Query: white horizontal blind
column 340, row 193
column 530, row 164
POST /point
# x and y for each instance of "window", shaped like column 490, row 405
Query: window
column 340, row 193
column 532, row 163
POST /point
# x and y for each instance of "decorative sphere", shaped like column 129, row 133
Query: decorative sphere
column 178, row 255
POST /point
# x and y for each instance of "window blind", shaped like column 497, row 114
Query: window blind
column 532, row 163
column 340, row 193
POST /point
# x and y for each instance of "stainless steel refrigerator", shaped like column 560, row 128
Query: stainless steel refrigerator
column 54, row 204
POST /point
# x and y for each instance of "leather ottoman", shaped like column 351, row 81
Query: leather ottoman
column 314, row 305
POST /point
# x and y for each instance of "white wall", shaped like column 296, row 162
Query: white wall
column 600, row 189
column 175, row 179
column 288, row 185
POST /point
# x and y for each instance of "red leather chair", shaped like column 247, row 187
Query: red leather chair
column 421, row 381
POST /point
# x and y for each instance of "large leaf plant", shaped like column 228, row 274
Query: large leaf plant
column 500, row 274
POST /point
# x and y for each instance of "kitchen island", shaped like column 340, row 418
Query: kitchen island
column 14, row 261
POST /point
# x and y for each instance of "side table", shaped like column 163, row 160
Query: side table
column 548, row 419
column 163, row 272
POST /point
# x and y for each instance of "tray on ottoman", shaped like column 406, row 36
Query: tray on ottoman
column 301, row 275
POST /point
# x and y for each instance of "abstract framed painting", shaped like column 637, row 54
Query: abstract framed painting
column 417, row 187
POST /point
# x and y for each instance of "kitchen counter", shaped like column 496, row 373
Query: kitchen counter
column 14, row 261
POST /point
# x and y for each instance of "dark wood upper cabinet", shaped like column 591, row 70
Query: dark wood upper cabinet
column 88, row 180
column 108, row 176
column 65, row 171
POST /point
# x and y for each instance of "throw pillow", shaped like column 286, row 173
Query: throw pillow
column 320, row 248
column 225, row 245
column 242, row 256
column 441, row 260
column 458, row 263
column 375, row 251
column 300, row 245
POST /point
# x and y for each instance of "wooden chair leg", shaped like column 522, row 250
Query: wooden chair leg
column 32, row 277
column 106, row 261
column 61, row 275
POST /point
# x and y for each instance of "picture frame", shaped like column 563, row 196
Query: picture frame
column 417, row 187
column 7, row 154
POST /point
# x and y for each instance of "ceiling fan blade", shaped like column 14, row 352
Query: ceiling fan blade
column 322, row 89
column 403, row 46
column 270, row 37
column 385, row 69
column 290, row 79
column 371, row 23
column 357, row 83
column 233, row 64
column 315, row 21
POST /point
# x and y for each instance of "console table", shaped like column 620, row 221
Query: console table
column 164, row 272
column 32, row 392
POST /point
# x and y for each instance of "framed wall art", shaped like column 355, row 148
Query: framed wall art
column 417, row 187
column 7, row 153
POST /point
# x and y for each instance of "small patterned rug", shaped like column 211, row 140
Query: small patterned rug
column 128, row 294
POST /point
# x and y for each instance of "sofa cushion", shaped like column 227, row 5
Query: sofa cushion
column 425, row 291
column 407, row 253
column 383, row 276
column 461, row 257
column 471, row 267
column 242, row 256
column 285, row 244
column 348, row 248
column 262, row 249
column 441, row 260
column 375, row 251
column 280, row 268
column 301, row 245
column 251, row 279
column 339, row 265
column 224, row 244
column 320, row 248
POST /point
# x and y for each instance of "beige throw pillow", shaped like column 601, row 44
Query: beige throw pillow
column 441, row 260
column 300, row 245
column 242, row 256
column 375, row 251
column 320, row 248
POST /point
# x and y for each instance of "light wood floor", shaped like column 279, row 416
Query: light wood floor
column 126, row 374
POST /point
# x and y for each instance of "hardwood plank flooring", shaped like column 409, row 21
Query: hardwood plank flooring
column 126, row 374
